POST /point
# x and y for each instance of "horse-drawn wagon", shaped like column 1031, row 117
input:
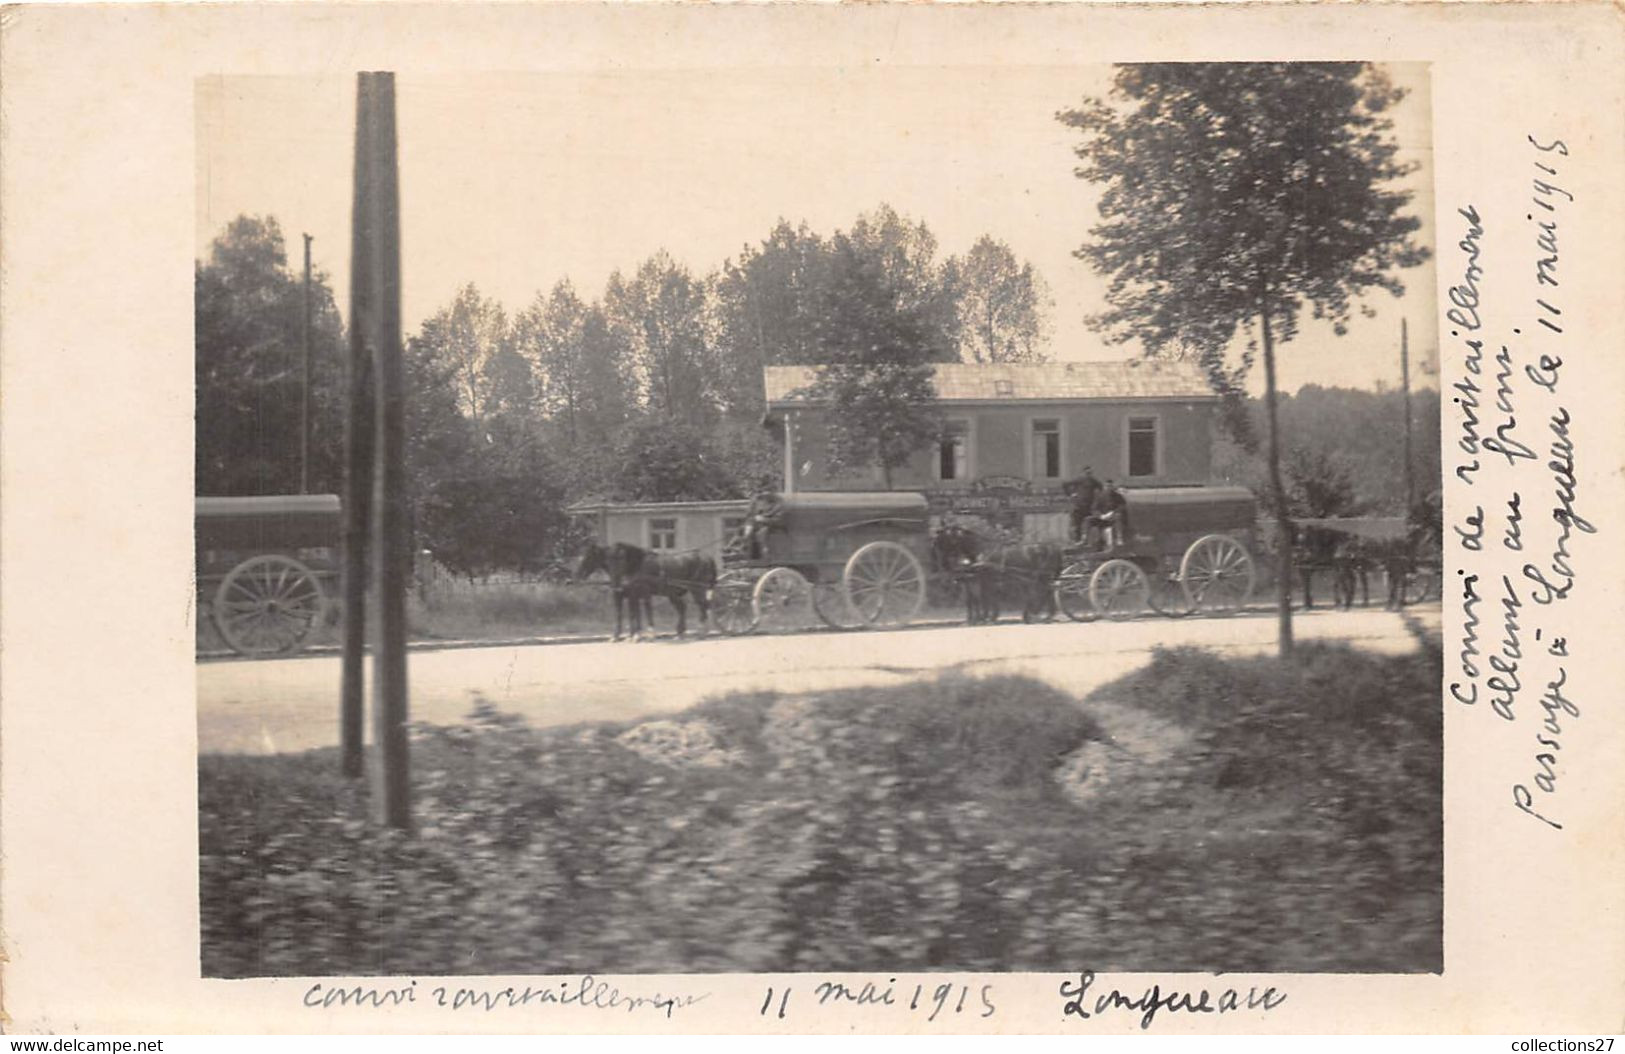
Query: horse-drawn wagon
column 855, row 559
column 1187, row 549
column 262, row 567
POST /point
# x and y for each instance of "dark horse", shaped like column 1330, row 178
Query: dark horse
column 636, row 575
column 954, row 550
column 1027, row 569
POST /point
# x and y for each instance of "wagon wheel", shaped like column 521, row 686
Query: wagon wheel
column 782, row 600
column 1118, row 589
column 1072, row 592
column 1217, row 575
column 733, row 609
column 884, row 584
column 1168, row 595
column 268, row 605
column 829, row 604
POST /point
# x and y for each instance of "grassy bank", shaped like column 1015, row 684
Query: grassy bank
column 1201, row 814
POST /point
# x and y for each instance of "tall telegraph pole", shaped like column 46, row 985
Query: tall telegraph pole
column 1405, row 385
column 376, row 309
column 304, row 398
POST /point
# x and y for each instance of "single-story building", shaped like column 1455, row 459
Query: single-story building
column 1016, row 433
column 666, row 525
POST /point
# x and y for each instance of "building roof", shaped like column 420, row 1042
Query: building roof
column 965, row 382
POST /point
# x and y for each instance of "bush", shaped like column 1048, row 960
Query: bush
column 916, row 827
column 1321, row 778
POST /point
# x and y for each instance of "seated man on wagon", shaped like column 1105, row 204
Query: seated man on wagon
column 1111, row 515
column 1083, row 492
column 766, row 511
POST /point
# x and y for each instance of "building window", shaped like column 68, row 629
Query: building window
column 1046, row 463
column 1142, row 446
column 953, row 452
column 663, row 532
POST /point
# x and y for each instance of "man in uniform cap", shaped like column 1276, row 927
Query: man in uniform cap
column 766, row 511
column 1083, row 492
column 1111, row 513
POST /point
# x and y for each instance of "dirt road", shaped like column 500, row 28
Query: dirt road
column 292, row 704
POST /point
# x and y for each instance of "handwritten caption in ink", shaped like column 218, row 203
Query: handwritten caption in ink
column 585, row 993
column 931, row 1002
column 1082, row 1000
column 1514, row 646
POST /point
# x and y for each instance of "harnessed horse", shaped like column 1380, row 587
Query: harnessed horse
column 1029, row 569
column 1352, row 557
column 636, row 575
column 954, row 550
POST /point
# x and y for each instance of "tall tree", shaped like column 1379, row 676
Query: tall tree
column 470, row 337
column 1003, row 304
column 875, row 383
column 902, row 255
column 580, row 369
column 662, row 313
column 767, row 304
column 1235, row 196
column 248, row 312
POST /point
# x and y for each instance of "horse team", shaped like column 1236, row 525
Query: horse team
column 984, row 574
column 1351, row 562
column 636, row 576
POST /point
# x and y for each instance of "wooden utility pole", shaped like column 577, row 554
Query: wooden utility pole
column 359, row 429
column 377, row 233
column 304, row 391
column 1405, row 385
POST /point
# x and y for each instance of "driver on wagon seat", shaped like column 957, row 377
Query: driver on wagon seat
column 766, row 511
column 1111, row 513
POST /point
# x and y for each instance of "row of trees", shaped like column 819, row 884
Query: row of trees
column 1345, row 455
column 1235, row 197
column 652, row 390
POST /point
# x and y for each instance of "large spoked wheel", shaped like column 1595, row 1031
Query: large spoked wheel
column 1217, row 575
column 733, row 602
column 829, row 604
column 782, row 600
column 268, row 605
column 1118, row 590
column 1072, row 592
column 884, row 584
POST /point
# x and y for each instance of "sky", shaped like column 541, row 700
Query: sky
column 514, row 181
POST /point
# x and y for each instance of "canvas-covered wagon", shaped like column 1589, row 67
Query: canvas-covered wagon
column 265, row 566
column 1187, row 549
column 855, row 559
